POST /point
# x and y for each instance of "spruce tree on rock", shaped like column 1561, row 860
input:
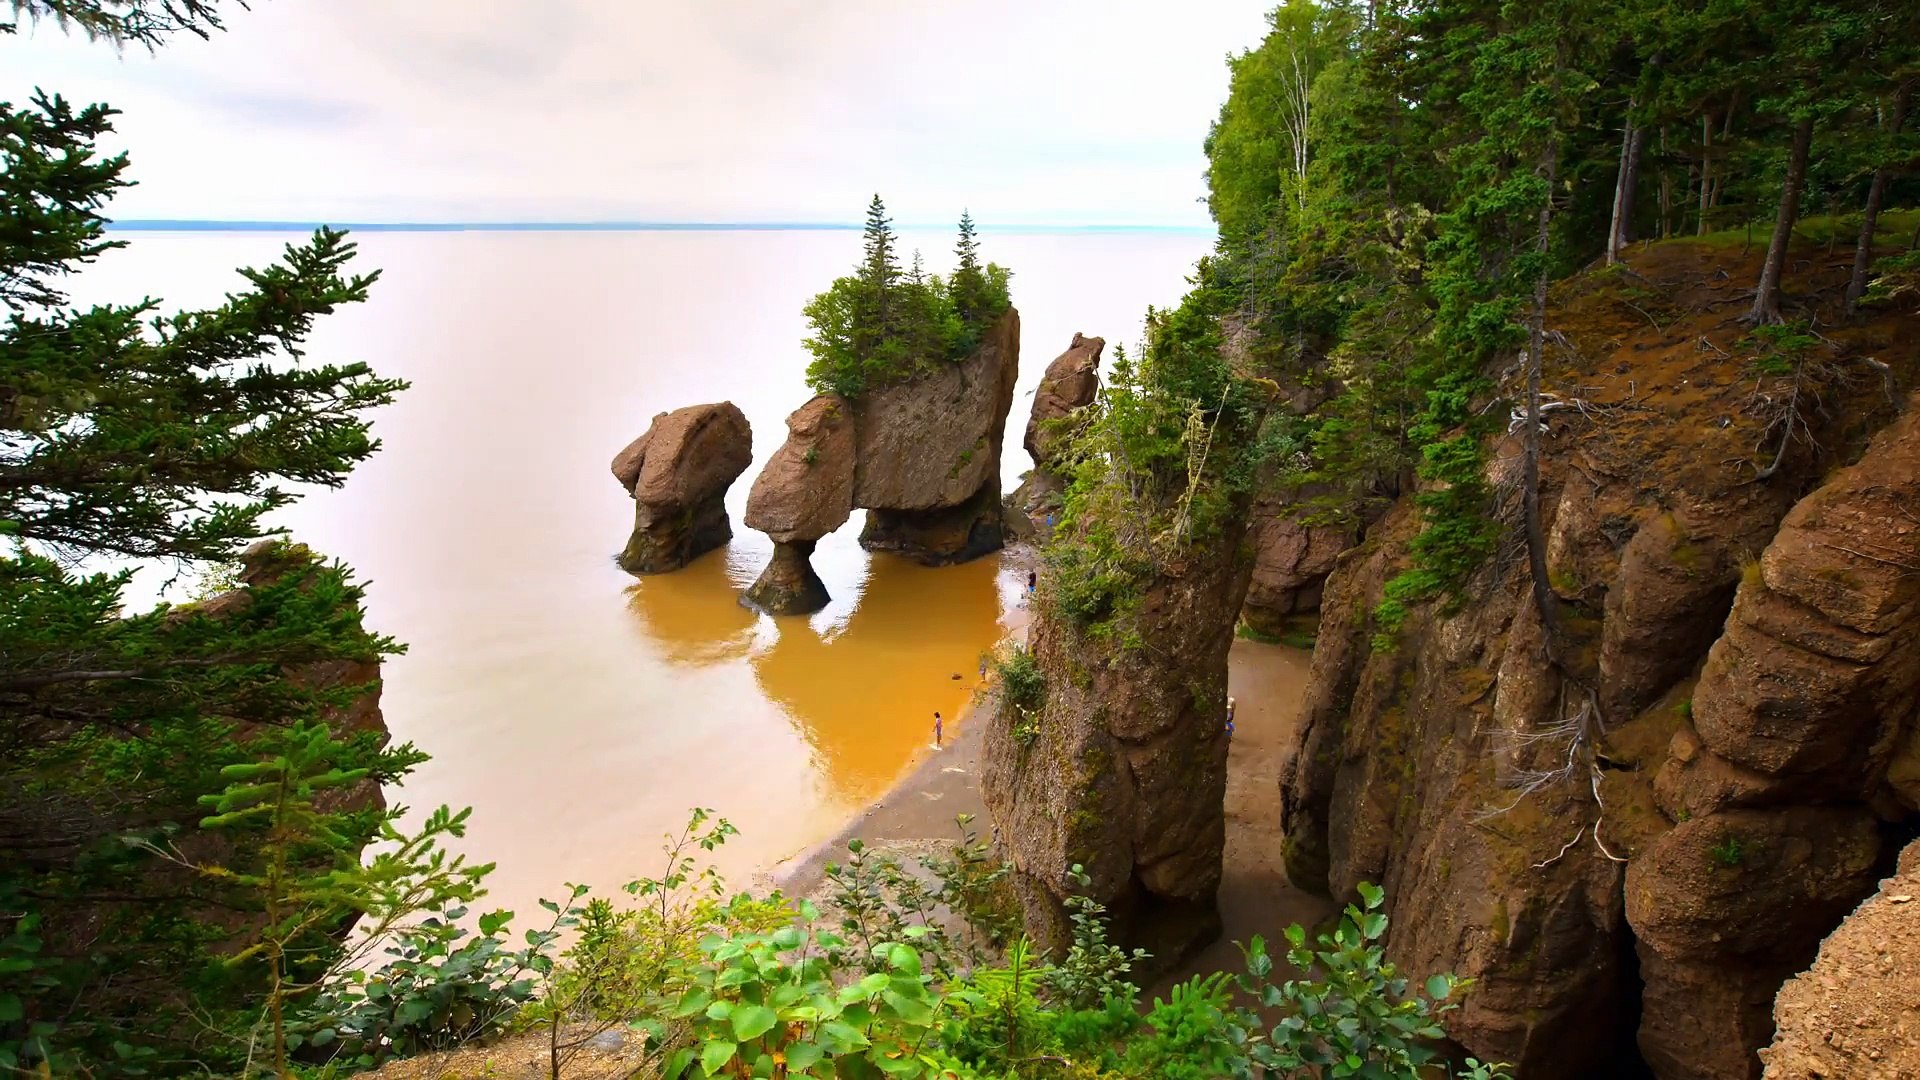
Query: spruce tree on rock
column 969, row 281
column 876, row 314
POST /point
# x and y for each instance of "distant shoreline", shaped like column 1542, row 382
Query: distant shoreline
column 198, row 225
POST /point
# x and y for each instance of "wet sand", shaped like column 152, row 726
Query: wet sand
column 1267, row 682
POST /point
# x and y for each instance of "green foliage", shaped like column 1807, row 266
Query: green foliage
column 1167, row 458
column 879, row 901
column 880, row 326
column 131, row 434
column 1779, row 349
column 1895, row 278
column 1094, row 969
column 1729, row 852
column 1023, row 691
column 761, row 1002
column 1355, row 1015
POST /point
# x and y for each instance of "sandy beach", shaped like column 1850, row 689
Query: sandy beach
column 1267, row 683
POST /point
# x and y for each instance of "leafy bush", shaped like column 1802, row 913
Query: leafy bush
column 1357, row 1017
column 761, row 1002
column 1094, row 970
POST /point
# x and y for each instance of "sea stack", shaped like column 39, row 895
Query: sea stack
column 922, row 456
column 803, row 493
column 1070, row 384
column 678, row 474
column 928, row 468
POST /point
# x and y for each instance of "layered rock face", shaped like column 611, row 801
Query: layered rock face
column 1126, row 771
column 678, row 474
column 922, row 457
column 1632, row 849
column 1856, row 1012
column 1804, row 701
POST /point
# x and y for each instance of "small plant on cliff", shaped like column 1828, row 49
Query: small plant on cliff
column 1095, row 970
column 881, row 325
column 1023, row 689
column 1357, row 1017
column 1729, row 852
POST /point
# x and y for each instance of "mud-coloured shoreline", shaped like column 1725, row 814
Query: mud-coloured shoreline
column 1267, row 682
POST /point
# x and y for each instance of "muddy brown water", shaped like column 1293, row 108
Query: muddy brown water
column 579, row 711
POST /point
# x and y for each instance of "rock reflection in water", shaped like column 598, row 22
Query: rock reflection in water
column 863, row 692
column 691, row 615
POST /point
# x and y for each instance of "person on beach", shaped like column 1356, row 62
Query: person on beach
column 983, row 669
column 1229, row 716
column 936, row 731
column 1033, row 581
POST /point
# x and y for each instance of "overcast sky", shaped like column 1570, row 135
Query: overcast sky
column 1027, row 111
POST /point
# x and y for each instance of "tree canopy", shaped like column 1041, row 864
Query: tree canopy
column 881, row 325
column 129, row 434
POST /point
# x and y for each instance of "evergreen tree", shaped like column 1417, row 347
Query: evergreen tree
column 133, row 434
column 970, row 297
column 881, row 325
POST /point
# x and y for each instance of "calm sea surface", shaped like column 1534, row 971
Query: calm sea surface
column 581, row 711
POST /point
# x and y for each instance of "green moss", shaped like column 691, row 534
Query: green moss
column 1254, row 633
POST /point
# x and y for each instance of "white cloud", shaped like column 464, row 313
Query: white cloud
column 1076, row 111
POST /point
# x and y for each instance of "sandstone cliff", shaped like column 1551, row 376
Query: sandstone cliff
column 1635, row 848
column 1856, row 1012
column 1118, row 760
column 678, row 473
column 922, row 456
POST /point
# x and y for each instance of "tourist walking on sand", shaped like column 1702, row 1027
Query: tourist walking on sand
column 936, row 731
column 1229, row 716
column 1033, row 581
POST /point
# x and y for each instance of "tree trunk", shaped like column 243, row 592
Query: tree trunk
column 1666, row 189
column 1876, row 192
column 1615, row 230
column 1766, row 298
column 1631, row 183
column 1543, row 597
column 1706, row 170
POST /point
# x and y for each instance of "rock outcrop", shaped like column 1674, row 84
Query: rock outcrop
column 1125, row 772
column 1855, row 1014
column 921, row 456
column 1119, row 763
column 804, row 493
column 1804, row 700
column 1632, row 847
column 1291, row 564
column 678, row 474
column 1070, row 384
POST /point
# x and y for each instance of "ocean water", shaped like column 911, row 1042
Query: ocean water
column 579, row 710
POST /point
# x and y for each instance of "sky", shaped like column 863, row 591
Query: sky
column 1025, row 112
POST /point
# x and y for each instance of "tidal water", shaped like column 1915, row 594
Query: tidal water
column 579, row 710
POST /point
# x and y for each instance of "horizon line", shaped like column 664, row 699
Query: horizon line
column 218, row 225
